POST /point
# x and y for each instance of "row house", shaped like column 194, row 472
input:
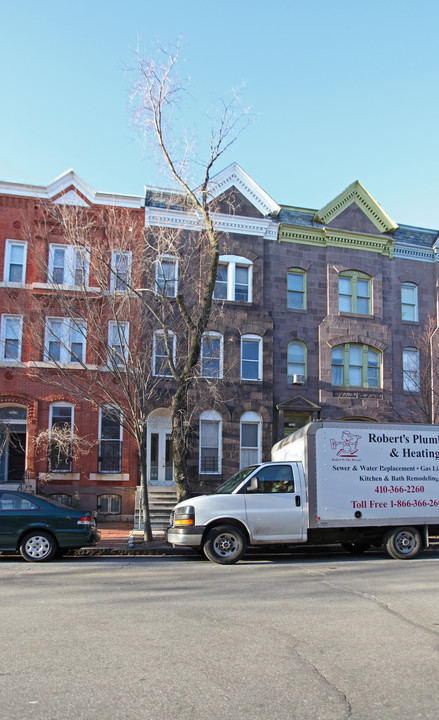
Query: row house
column 326, row 313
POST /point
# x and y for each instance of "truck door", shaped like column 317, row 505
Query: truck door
column 276, row 508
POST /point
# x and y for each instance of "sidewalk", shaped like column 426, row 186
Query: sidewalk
column 121, row 539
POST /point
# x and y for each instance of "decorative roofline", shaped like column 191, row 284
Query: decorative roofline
column 237, row 224
column 324, row 237
column 235, row 175
column 358, row 194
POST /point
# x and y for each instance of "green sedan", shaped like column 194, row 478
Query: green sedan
column 40, row 528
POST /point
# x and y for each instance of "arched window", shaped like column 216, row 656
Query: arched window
column 211, row 360
column 210, row 442
column 251, row 357
column 250, row 439
column 109, row 504
column 296, row 363
column 354, row 293
column 356, row 366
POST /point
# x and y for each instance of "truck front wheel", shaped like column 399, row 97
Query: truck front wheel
column 402, row 543
column 225, row 544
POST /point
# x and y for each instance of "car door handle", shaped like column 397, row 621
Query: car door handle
column 298, row 501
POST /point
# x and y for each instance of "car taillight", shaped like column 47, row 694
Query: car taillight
column 86, row 520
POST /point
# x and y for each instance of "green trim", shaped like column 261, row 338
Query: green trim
column 347, row 364
column 304, row 370
column 323, row 237
column 297, row 292
column 358, row 194
column 353, row 296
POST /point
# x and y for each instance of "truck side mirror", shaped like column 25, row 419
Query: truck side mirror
column 253, row 485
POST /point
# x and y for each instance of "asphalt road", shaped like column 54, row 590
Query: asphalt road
column 319, row 636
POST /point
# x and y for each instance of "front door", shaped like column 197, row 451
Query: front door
column 159, row 448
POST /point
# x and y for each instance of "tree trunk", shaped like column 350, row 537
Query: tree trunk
column 180, row 444
column 147, row 531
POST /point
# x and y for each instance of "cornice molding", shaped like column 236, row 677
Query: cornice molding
column 324, row 237
column 411, row 252
column 70, row 189
column 234, row 175
column 358, row 194
column 236, row 224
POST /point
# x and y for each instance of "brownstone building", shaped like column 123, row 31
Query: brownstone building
column 317, row 314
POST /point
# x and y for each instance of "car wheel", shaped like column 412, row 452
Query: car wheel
column 225, row 544
column 38, row 546
column 402, row 543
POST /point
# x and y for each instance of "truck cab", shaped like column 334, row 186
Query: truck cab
column 261, row 504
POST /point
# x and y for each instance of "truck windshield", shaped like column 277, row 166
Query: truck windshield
column 232, row 483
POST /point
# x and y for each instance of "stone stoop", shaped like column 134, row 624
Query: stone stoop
column 161, row 501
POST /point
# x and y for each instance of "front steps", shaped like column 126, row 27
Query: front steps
column 161, row 501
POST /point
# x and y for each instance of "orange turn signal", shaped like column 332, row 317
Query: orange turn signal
column 189, row 521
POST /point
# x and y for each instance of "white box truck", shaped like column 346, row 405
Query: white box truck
column 356, row 483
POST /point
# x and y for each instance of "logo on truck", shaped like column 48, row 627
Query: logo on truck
column 348, row 445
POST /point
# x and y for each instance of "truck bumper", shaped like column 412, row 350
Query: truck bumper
column 191, row 536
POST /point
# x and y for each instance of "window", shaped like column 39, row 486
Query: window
column 356, row 366
column 166, row 273
column 110, row 441
column 410, row 369
column 61, row 435
column 62, row 498
column 251, row 357
column 409, row 302
column 65, row 340
column 296, row 284
column 15, row 261
column 354, row 293
column 118, row 334
column 275, row 479
column 296, row 362
column 233, row 279
column 68, row 265
column 109, row 504
column 10, row 339
column 160, row 354
column 212, row 355
column 120, row 271
column 250, row 439
column 210, row 437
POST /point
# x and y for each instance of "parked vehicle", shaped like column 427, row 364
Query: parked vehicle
column 358, row 484
column 40, row 528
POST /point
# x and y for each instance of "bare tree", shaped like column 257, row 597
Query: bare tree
column 185, row 310
column 420, row 375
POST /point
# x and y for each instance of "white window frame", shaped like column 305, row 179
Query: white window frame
column 295, row 362
column 70, row 265
column 119, row 440
column 114, row 276
column 203, row 373
column 68, row 327
column 414, row 288
column 157, row 334
column 252, row 339
column 72, row 425
column 8, row 258
column 119, row 331
column 5, row 319
column 232, row 262
column 250, row 418
column 210, row 417
column 162, row 283
column 411, row 377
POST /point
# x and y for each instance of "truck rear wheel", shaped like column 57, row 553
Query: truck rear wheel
column 225, row 544
column 402, row 543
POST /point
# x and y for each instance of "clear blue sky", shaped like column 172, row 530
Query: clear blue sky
column 340, row 90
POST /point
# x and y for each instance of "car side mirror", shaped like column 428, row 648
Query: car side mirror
column 253, row 485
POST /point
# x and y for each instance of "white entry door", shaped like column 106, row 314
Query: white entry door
column 159, row 448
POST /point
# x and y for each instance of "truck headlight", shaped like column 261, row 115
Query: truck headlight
column 184, row 515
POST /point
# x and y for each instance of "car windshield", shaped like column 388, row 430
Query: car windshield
column 232, row 483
